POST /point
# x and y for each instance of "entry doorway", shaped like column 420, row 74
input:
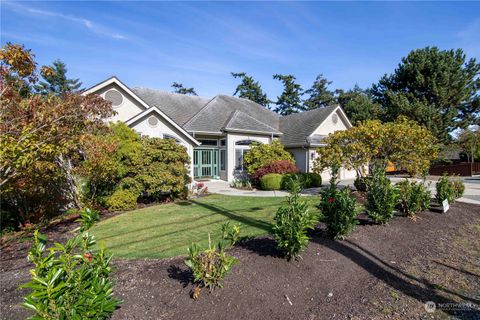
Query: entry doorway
column 205, row 163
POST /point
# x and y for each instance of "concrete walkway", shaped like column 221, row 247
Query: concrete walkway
column 471, row 195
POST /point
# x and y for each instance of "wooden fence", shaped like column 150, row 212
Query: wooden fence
column 462, row 169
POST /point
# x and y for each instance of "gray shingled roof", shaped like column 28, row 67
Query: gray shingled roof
column 214, row 116
column 298, row 127
column 240, row 121
column 179, row 107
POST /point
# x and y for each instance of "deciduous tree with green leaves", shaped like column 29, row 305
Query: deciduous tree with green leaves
column 436, row 88
column 290, row 100
column 408, row 145
column 250, row 89
column 319, row 95
column 469, row 140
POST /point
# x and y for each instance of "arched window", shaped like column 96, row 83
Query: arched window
column 168, row 136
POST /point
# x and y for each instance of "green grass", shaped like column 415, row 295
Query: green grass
column 168, row 230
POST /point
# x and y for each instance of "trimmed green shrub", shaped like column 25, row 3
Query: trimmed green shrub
column 271, row 181
column 362, row 183
column 458, row 187
column 277, row 166
column 306, row 179
column 70, row 281
column 381, row 197
column 444, row 190
column 292, row 222
column 122, row 200
column 338, row 208
column 413, row 197
column 209, row 267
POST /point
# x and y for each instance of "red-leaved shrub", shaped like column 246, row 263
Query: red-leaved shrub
column 280, row 166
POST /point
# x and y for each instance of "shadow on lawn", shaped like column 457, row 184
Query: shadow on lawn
column 420, row 289
column 231, row 215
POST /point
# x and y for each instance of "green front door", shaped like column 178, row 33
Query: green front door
column 205, row 163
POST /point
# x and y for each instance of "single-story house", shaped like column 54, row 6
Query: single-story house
column 218, row 131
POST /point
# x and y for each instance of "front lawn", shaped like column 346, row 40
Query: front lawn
column 167, row 230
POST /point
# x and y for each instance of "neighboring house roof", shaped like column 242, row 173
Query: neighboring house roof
column 298, row 127
column 242, row 122
column 215, row 114
column 179, row 107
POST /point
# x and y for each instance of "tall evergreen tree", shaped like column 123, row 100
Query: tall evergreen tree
column 437, row 88
column 180, row 89
column 319, row 95
column 290, row 100
column 358, row 105
column 250, row 89
column 55, row 81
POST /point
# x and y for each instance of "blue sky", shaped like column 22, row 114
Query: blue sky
column 152, row 44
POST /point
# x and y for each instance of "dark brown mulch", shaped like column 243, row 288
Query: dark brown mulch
column 379, row 272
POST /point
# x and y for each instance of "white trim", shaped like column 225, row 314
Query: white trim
column 147, row 110
column 349, row 124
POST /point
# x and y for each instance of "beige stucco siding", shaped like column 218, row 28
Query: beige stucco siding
column 129, row 107
column 301, row 158
column 328, row 126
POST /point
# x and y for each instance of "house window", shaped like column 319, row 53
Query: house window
column 222, row 159
column 167, row 136
column 208, row 142
column 241, row 148
column 223, row 143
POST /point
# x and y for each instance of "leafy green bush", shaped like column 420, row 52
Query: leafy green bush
column 230, row 233
column 362, row 183
column 70, row 281
column 292, row 222
column 381, row 197
column 338, row 208
column 122, row 200
column 209, row 267
column 444, row 190
column 153, row 169
column 262, row 154
column 413, row 197
column 306, row 179
column 458, row 187
column 271, row 181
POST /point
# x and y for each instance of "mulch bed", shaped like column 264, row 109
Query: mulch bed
column 378, row 272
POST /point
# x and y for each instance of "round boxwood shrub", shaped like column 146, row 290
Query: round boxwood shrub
column 122, row 200
column 271, row 181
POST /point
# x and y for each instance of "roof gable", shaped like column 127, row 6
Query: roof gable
column 216, row 113
column 240, row 121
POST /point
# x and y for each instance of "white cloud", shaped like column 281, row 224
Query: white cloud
column 90, row 25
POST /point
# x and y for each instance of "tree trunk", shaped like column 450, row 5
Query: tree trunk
column 72, row 193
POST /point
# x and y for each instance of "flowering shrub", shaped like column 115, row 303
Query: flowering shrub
column 241, row 183
column 338, row 208
column 277, row 166
column 292, row 222
column 70, row 281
